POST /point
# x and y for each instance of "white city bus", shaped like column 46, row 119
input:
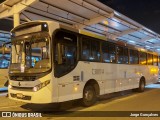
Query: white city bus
column 73, row 64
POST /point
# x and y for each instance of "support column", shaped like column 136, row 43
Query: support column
column 16, row 17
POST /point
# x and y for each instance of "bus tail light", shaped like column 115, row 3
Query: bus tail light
column 41, row 85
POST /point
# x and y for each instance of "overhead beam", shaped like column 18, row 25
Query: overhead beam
column 17, row 8
column 69, row 12
column 126, row 32
column 146, row 39
column 6, row 6
column 114, row 37
column 156, row 45
column 92, row 21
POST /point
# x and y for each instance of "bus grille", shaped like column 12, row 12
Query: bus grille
column 23, row 78
column 22, row 88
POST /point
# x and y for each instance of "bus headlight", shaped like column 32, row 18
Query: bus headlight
column 41, row 85
column 9, row 86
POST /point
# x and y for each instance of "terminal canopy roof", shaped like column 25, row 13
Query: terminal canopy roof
column 89, row 15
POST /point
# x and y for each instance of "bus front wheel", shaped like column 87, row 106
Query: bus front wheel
column 89, row 96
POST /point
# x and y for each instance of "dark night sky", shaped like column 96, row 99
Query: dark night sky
column 1, row 1
column 146, row 12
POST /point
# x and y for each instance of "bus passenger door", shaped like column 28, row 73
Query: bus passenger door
column 66, row 81
column 65, row 60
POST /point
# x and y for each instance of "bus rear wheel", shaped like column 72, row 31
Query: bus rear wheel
column 89, row 96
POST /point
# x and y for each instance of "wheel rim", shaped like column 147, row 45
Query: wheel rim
column 88, row 95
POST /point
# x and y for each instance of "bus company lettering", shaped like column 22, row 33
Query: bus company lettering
column 97, row 71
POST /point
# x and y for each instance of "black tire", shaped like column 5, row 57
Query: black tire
column 89, row 96
column 141, row 86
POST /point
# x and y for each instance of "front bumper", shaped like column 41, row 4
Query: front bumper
column 44, row 95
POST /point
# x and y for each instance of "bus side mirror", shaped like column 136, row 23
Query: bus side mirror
column 4, row 47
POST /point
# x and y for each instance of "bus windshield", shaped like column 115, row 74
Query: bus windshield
column 32, row 56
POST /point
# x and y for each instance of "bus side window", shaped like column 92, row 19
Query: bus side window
column 105, row 52
column 112, row 53
column 95, row 51
column 133, row 57
column 108, row 52
column 90, row 49
column 155, row 60
column 120, row 56
column 150, row 59
column 126, row 56
column 142, row 58
column 85, row 55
